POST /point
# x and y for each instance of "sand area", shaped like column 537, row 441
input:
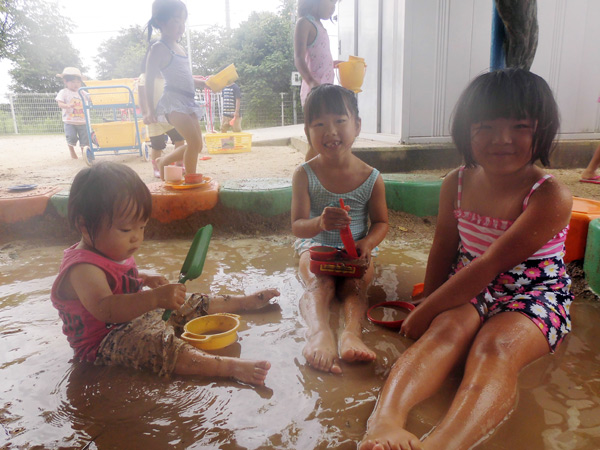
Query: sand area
column 45, row 161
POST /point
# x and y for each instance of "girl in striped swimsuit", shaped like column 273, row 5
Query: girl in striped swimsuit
column 496, row 288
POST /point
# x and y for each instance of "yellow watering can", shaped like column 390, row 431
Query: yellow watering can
column 352, row 73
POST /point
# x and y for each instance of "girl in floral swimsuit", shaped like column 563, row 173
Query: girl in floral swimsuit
column 496, row 288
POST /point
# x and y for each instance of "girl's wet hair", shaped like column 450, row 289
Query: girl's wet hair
column 511, row 94
column 106, row 189
column 329, row 99
column 307, row 7
column 162, row 11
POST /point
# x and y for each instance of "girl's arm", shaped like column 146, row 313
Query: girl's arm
column 378, row 215
column 158, row 57
column 445, row 241
column 548, row 212
column 62, row 105
column 302, row 226
column 91, row 287
column 302, row 34
column 198, row 83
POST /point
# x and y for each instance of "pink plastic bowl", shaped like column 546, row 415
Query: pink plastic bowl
column 193, row 178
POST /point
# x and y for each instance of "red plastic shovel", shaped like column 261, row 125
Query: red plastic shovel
column 347, row 238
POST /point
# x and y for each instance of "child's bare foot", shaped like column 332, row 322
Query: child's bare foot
column 249, row 371
column 353, row 349
column 73, row 154
column 388, row 435
column 160, row 165
column 588, row 175
column 321, row 353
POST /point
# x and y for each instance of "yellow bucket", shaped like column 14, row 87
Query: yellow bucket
column 356, row 58
column 224, row 78
column 212, row 332
column 352, row 73
column 112, row 96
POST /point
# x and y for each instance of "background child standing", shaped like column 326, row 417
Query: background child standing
column 331, row 125
column 312, row 53
column 157, row 131
column 177, row 104
column 107, row 317
column 496, row 287
column 73, row 117
column 232, row 102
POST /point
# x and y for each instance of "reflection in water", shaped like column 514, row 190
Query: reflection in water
column 49, row 401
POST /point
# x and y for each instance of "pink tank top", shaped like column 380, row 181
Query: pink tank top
column 84, row 332
column 478, row 232
column 318, row 59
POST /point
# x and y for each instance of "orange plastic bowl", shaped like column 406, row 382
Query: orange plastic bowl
column 323, row 253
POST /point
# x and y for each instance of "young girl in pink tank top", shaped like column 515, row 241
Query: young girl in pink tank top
column 312, row 54
column 496, row 288
column 111, row 313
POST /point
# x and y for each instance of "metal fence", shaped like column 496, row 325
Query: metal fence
column 39, row 113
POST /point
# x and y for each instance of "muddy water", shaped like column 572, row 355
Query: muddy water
column 48, row 401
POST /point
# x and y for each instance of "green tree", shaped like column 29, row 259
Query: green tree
column 121, row 56
column 262, row 50
column 34, row 38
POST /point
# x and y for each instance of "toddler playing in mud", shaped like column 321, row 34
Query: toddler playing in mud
column 108, row 318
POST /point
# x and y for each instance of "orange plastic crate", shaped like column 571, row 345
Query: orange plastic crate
column 583, row 212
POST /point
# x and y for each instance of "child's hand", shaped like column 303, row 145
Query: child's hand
column 417, row 322
column 149, row 118
column 170, row 296
column 154, row 281
column 333, row 218
column 363, row 250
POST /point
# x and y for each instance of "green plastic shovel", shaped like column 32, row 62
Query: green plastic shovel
column 194, row 261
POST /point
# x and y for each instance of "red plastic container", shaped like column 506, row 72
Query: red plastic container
column 323, row 253
column 341, row 265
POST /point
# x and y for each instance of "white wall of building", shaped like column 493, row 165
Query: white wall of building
column 422, row 53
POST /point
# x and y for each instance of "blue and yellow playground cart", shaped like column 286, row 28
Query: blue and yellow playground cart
column 113, row 124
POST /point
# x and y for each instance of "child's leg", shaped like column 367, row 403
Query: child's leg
column 189, row 127
column 225, row 127
column 72, row 151
column 417, row 374
column 321, row 350
column 198, row 305
column 505, row 344
column 71, row 136
column 235, row 303
column 354, row 294
column 192, row 361
column 590, row 170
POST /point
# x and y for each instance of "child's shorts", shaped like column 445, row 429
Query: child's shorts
column 160, row 142
column 75, row 133
column 536, row 288
column 149, row 343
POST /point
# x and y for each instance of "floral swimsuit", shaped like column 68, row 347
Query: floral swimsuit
column 538, row 288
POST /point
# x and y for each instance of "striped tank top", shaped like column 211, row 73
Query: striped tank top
column 478, row 232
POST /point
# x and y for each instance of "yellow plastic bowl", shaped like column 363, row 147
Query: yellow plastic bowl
column 212, row 332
